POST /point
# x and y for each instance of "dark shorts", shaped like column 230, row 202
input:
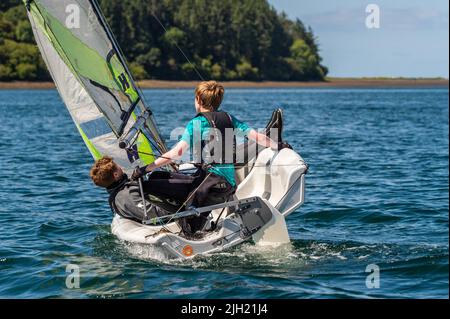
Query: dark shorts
column 198, row 190
column 190, row 190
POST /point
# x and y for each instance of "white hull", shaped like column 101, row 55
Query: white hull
column 275, row 187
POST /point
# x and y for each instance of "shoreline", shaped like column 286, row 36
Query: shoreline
column 330, row 83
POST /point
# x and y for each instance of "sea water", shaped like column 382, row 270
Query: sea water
column 374, row 225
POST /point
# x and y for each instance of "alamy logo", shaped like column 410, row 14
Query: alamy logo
column 373, row 19
column 73, row 17
column 73, row 279
column 373, row 280
column 219, row 149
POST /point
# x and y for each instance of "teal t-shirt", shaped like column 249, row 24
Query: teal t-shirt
column 201, row 123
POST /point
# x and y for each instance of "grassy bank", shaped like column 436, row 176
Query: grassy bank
column 330, row 83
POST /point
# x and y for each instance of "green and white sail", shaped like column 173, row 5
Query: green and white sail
column 93, row 79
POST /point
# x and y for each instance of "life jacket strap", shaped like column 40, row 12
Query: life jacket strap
column 220, row 121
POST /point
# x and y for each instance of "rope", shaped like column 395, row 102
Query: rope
column 181, row 207
column 190, row 196
column 244, row 165
column 178, row 47
column 218, row 218
column 130, row 152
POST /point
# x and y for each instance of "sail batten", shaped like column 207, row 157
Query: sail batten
column 93, row 79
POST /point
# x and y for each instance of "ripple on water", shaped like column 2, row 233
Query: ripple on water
column 377, row 193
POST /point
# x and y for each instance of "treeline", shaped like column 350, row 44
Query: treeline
column 224, row 40
column 19, row 56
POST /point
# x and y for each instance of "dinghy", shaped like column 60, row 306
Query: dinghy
column 271, row 186
column 112, row 117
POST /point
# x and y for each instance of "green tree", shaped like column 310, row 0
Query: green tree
column 7, row 4
column 23, row 32
column 246, row 71
column 138, row 71
column 224, row 40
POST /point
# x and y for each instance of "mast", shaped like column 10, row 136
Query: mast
column 149, row 123
column 94, row 81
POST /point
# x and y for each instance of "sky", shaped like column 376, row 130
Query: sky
column 411, row 41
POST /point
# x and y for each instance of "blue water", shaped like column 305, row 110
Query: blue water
column 377, row 193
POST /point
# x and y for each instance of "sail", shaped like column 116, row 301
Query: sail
column 93, row 79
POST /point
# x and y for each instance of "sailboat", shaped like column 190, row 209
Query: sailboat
column 113, row 119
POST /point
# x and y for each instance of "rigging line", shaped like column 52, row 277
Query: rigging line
column 181, row 207
column 289, row 190
column 240, row 166
column 166, row 229
column 155, row 146
column 158, row 147
column 190, row 196
column 218, row 218
column 233, row 233
column 115, row 46
column 121, row 55
column 178, row 47
column 145, row 208
column 151, row 154
column 160, row 223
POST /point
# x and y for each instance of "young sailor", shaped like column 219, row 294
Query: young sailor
column 125, row 197
column 214, row 181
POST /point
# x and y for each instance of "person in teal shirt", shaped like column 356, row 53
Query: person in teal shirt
column 213, row 183
column 227, row 171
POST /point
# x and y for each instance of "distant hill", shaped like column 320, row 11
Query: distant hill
column 225, row 40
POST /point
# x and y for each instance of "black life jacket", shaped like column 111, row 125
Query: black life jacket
column 113, row 190
column 219, row 122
